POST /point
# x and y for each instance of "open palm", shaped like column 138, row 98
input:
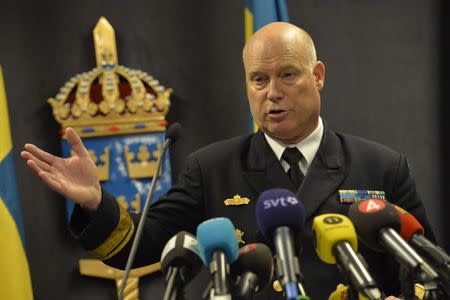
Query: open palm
column 74, row 178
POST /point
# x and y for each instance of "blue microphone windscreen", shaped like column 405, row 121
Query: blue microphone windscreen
column 276, row 208
column 217, row 234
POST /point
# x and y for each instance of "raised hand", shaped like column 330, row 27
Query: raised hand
column 74, row 178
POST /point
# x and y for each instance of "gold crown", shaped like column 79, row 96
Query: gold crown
column 144, row 167
column 135, row 203
column 139, row 166
column 111, row 99
column 102, row 163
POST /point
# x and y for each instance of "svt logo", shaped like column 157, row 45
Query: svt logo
column 289, row 201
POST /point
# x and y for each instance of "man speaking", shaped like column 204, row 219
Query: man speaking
column 294, row 149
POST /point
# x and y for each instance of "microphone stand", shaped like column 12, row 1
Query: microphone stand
column 172, row 291
column 210, row 293
column 140, row 228
column 219, row 269
column 407, row 283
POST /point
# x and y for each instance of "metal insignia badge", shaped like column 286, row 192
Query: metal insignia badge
column 236, row 201
column 239, row 235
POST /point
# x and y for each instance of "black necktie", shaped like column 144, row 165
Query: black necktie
column 292, row 156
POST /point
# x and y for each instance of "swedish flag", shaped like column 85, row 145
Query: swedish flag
column 259, row 13
column 15, row 280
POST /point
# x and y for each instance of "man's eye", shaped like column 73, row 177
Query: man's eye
column 288, row 75
column 259, row 79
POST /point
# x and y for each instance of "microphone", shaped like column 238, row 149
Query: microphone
column 280, row 217
column 180, row 262
column 218, row 248
column 172, row 134
column 412, row 231
column 336, row 242
column 377, row 223
column 253, row 270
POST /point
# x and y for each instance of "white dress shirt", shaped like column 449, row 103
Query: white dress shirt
column 308, row 147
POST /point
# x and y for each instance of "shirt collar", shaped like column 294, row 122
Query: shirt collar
column 308, row 146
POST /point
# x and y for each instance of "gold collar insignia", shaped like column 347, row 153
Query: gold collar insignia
column 236, row 201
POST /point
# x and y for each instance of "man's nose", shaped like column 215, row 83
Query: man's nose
column 275, row 92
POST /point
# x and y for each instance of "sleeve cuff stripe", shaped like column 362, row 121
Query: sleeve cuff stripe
column 122, row 244
column 118, row 239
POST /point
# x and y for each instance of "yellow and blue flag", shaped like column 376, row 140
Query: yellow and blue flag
column 15, row 282
column 259, row 13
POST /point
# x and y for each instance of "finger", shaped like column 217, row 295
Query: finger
column 75, row 142
column 51, row 176
column 41, row 154
column 25, row 154
column 43, row 165
column 48, row 178
column 51, row 182
column 34, row 167
column 45, row 176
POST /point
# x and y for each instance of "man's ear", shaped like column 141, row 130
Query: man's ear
column 319, row 74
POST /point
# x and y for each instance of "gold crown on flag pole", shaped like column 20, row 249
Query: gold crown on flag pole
column 111, row 99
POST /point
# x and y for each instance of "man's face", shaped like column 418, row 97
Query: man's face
column 283, row 90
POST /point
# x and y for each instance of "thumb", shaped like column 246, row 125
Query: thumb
column 75, row 142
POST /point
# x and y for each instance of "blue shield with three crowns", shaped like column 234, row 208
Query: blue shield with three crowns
column 126, row 165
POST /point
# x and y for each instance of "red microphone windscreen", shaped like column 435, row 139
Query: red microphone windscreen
column 409, row 224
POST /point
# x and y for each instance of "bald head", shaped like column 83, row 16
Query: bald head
column 284, row 80
column 283, row 36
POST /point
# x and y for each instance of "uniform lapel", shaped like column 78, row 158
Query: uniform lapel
column 264, row 170
column 326, row 173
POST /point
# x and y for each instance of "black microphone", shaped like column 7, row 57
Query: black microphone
column 377, row 223
column 412, row 231
column 172, row 134
column 180, row 262
column 253, row 270
column 336, row 243
column 280, row 217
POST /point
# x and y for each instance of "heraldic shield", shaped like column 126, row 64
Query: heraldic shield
column 126, row 165
column 120, row 115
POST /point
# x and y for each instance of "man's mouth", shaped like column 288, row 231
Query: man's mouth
column 277, row 113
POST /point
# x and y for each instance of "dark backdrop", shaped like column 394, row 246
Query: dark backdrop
column 384, row 82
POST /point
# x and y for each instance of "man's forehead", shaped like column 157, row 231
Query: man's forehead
column 272, row 47
column 257, row 68
column 264, row 46
column 273, row 58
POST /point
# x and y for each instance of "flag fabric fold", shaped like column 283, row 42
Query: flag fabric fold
column 15, row 282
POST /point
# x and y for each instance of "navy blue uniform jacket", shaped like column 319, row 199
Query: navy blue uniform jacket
column 246, row 166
